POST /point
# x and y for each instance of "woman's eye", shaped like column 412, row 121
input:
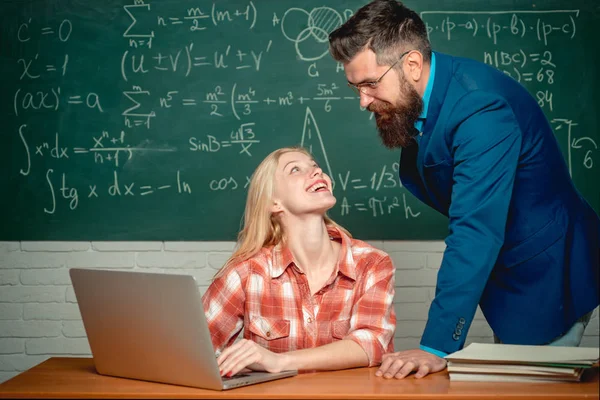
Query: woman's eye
column 295, row 169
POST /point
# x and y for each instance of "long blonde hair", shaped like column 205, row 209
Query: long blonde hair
column 261, row 227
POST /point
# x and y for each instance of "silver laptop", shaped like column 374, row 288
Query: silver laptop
column 152, row 327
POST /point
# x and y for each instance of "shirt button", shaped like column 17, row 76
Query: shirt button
column 309, row 320
column 420, row 133
column 268, row 334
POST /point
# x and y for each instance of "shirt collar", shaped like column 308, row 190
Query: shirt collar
column 283, row 258
column 428, row 88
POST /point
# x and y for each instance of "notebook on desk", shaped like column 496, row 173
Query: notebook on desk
column 152, row 327
column 520, row 363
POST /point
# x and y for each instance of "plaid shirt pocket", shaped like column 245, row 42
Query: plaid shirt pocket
column 268, row 329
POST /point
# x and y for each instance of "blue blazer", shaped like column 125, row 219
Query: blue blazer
column 522, row 242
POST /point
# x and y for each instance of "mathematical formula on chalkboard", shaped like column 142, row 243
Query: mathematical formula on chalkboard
column 165, row 100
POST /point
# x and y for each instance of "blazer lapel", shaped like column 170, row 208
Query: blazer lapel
column 443, row 74
column 411, row 158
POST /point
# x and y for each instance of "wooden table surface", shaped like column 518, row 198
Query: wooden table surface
column 77, row 378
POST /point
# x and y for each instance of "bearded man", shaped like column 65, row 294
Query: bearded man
column 522, row 242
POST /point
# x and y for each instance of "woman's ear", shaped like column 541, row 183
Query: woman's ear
column 276, row 207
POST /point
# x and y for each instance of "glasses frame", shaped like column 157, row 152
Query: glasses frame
column 364, row 87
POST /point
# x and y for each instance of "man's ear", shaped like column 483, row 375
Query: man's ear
column 415, row 65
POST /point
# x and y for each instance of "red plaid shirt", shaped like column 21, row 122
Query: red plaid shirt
column 269, row 297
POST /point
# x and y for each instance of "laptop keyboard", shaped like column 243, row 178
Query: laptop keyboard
column 227, row 378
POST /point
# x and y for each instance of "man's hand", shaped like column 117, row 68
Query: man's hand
column 247, row 354
column 400, row 364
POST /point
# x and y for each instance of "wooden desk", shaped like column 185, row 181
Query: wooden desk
column 77, row 377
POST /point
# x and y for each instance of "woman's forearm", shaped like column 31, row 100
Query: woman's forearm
column 337, row 355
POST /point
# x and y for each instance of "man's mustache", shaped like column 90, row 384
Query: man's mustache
column 380, row 107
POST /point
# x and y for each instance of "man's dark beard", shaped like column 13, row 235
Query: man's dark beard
column 396, row 123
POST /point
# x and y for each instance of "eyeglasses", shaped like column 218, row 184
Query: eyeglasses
column 369, row 87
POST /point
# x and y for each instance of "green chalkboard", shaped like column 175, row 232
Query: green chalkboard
column 142, row 120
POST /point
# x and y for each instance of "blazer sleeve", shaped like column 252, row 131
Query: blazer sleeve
column 485, row 140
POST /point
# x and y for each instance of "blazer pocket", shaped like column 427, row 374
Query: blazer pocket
column 532, row 246
column 440, row 172
column 339, row 329
column 439, row 179
column 269, row 328
column 437, row 164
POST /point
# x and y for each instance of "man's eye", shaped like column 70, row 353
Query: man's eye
column 368, row 85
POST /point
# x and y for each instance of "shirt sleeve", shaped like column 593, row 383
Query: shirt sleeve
column 224, row 308
column 438, row 353
column 373, row 320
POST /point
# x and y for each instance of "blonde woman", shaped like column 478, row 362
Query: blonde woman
column 307, row 295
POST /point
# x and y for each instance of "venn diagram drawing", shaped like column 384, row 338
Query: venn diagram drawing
column 309, row 31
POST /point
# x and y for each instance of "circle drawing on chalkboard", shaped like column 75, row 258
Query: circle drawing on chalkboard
column 310, row 31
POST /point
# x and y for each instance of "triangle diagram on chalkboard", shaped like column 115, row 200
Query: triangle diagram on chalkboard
column 313, row 141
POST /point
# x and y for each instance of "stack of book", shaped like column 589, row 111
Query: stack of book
column 520, row 363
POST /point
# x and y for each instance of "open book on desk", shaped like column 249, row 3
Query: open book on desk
column 520, row 363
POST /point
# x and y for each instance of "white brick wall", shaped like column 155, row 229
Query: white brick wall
column 39, row 317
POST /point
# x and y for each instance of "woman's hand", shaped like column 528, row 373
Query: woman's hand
column 247, row 354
